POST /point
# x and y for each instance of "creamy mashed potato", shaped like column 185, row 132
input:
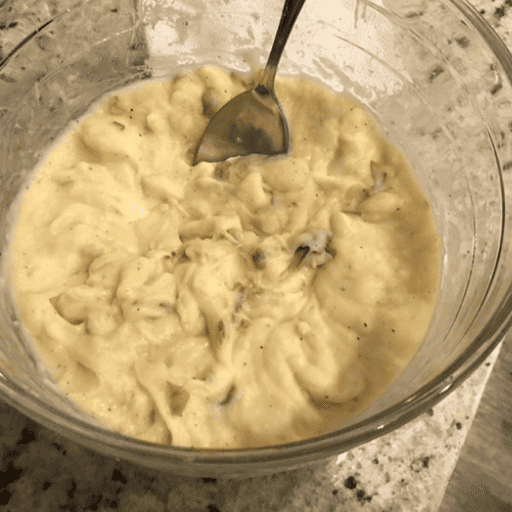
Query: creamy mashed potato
column 257, row 301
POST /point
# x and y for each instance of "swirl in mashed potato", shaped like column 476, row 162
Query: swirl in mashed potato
column 253, row 302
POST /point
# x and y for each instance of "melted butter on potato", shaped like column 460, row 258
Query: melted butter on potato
column 252, row 302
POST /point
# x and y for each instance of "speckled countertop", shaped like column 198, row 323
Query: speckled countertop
column 407, row 470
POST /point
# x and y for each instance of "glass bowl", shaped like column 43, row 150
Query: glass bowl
column 434, row 73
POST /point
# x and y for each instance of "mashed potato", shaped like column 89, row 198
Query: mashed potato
column 252, row 302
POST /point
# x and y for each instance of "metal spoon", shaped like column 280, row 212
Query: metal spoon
column 254, row 121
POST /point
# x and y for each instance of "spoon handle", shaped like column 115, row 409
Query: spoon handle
column 289, row 15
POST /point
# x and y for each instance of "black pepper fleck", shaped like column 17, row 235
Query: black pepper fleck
column 414, row 14
column 419, row 464
column 435, row 73
column 496, row 88
column 458, row 425
column 208, row 480
column 463, row 41
column 350, row 483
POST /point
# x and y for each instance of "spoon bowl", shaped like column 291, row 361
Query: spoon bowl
column 253, row 121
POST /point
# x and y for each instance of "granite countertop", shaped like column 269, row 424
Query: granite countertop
column 406, row 470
